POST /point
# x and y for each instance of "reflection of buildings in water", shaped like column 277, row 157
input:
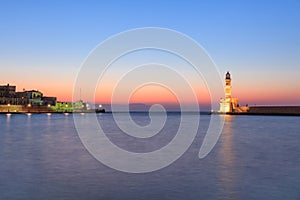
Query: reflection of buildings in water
column 8, row 115
column 228, row 179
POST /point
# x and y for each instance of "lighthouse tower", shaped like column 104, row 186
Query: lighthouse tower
column 228, row 88
column 228, row 104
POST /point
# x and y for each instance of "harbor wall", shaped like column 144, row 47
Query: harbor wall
column 275, row 110
column 45, row 109
column 24, row 109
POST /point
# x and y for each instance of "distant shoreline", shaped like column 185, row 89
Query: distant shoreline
column 168, row 112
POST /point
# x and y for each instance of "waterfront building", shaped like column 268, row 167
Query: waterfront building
column 10, row 100
column 32, row 97
column 7, row 90
column 9, row 96
column 49, row 101
column 78, row 106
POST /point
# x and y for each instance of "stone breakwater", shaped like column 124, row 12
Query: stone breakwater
column 270, row 110
column 275, row 110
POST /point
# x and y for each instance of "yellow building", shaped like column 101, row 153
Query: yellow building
column 228, row 104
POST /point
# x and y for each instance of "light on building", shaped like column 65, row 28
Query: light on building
column 8, row 105
column 29, row 105
column 49, row 105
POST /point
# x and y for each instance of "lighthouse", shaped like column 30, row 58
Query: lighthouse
column 227, row 88
column 228, row 104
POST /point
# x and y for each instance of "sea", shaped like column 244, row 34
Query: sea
column 255, row 157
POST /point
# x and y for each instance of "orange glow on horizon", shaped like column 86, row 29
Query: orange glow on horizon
column 153, row 94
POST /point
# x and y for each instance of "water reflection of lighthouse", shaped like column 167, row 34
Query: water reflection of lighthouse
column 229, row 173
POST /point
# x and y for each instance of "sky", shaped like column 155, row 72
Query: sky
column 44, row 43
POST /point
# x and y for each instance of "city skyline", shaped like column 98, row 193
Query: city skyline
column 45, row 43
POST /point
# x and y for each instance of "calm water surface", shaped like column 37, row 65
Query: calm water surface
column 256, row 157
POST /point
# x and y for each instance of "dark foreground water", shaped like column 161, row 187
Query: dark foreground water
column 256, row 157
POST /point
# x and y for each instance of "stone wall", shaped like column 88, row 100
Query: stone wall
column 11, row 108
column 284, row 110
column 24, row 109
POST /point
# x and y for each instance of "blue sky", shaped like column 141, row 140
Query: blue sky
column 256, row 40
